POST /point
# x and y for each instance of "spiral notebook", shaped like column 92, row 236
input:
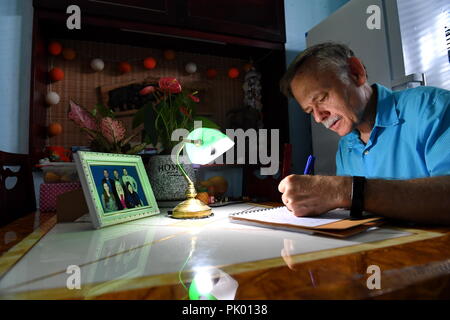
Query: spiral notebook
column 333, row 223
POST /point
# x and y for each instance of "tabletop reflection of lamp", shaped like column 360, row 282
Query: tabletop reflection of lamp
column 203, row 145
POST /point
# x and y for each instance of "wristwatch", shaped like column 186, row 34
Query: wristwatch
column 358, row 186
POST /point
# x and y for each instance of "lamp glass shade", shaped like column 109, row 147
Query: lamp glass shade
column 213, row 144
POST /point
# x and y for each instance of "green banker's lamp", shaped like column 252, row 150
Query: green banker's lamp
column 203, row 145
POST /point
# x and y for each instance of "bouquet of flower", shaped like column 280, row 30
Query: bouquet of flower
column 173, row 108
column 105, row 133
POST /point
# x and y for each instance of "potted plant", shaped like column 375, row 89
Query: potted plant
column 172, row 108
column 106, row 134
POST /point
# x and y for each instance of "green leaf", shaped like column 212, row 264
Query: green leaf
column 103, row 143
column 104, row 111
column 149, row 124
column 136, row 149
column 139, row 117
column 127, row 140
column 93, row 134
column 146, row 138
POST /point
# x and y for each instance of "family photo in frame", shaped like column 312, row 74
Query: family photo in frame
column 118, row 187
column 115, row 186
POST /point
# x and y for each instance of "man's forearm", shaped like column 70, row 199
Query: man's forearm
column 425, row 200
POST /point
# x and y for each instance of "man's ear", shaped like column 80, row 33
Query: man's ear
column 357, row 71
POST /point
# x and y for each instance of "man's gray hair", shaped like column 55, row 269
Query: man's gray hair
column 326, row 56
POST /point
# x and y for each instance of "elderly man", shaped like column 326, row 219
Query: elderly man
column 394, row 155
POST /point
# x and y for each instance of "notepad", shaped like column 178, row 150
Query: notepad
column 334, row 223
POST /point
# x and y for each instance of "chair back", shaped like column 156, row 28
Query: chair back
column 17, row 197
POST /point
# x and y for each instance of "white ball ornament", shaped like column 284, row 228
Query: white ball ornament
column 97, row 64
column 191, row 67
column 52, row 98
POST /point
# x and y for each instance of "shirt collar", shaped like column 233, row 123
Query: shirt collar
column 386, row 112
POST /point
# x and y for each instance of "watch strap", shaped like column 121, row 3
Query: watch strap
column 357, row 208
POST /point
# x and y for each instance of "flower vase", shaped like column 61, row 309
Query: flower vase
column 168, row 183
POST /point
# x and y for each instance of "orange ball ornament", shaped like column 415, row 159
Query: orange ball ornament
column 233, row 73
column 247, row 67
column 124, row 67
column 56, row 74
column 54, row 129
column 55, row 48
column 211, row 73
column 150, row 63
column 69, row 54
column 169, row 55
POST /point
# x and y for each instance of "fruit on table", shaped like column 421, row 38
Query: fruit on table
column 217, row 184
column 203, row 197
column 51, row 177
column 67, row 178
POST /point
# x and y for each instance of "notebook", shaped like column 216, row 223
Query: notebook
column 333, row 223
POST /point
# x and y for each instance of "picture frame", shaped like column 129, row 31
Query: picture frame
column 115, row 186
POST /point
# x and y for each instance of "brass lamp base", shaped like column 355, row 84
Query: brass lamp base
column 190, row 209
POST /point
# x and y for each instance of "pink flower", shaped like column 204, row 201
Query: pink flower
column 194, row 98
column 81, row 117
column 170, row 85
column 147, row 90
column 112, row 130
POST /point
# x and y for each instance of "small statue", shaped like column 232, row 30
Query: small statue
column 252, row 92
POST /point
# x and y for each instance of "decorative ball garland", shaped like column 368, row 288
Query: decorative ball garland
column 97, row 64
column 55, row 48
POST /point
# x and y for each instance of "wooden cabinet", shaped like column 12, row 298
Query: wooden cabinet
column 154, row 11
column 253, row 19
column 258, row 19
column 246, row 29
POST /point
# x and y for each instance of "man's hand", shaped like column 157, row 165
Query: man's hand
column 307, row 195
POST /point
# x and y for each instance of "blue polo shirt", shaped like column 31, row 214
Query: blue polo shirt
column 410, row 138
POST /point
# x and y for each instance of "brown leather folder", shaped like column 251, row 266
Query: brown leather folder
column 70, row 206
column 341, row 229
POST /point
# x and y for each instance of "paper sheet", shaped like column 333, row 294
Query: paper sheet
column 282, row 215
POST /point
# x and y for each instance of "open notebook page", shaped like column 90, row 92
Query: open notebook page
column 282, row 215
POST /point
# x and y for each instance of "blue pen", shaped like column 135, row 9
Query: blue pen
column 309, row 165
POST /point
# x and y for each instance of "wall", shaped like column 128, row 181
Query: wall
column 301, row 16
column 16, row 19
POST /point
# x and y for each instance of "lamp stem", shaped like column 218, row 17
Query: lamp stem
column 181, row 168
